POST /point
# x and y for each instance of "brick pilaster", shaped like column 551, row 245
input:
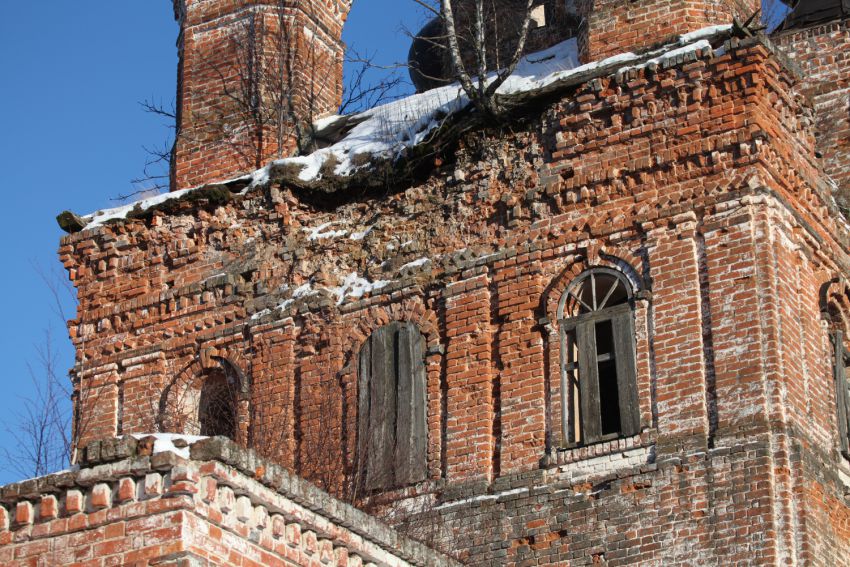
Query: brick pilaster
column 469, row 428
column 522, row 386
column 678, row 324
column 96, row 406
column 736, row 311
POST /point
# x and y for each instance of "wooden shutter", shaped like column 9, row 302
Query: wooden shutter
column 591, row 421
column 382, row 409
column 842, row 397
column 364, row 403
column 624, row 351
column 392, row 419
column 410, row 448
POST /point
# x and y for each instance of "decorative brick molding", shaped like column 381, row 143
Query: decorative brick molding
column 224, row 505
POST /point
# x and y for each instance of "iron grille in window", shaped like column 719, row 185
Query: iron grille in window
column 392, row 412
column 842, row 393
column 599, row 398
column 217, row 407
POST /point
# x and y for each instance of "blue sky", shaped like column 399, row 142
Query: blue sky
column 72, row 135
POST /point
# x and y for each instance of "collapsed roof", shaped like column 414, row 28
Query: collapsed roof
column 388, row 133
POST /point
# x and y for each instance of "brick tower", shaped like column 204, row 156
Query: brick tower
column 252, row 77
column 613, row 26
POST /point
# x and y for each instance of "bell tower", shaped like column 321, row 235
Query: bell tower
column 252, row 77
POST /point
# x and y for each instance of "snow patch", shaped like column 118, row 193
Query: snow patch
column 167, row 442
column 321, row 232
column 704, row 33
column 415, row 264
column 260, row 177
column 699, row 45
column 481, row 498
column 101, row 217
column 356, row 287
column 361, row 235
column 299, row 293
column 385, row 132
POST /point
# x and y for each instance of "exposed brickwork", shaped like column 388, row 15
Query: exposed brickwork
column 696, row 179
column 823, row 53
column 612, row 27
column 276, row 520
column 230, row 49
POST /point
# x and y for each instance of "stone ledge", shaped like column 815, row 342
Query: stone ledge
column 220, row 480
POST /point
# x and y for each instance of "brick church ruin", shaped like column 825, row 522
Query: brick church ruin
column 611, row 329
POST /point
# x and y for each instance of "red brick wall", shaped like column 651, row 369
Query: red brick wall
column 219, row 138
column 612, row 27
column 697, row 180
column 126, row 506
column 823, row 53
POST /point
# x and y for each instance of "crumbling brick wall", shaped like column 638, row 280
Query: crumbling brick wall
column 132, row 505
column 695, row 178
column 823, row 53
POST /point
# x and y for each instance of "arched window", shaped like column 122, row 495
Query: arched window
column 392, row 412
column 217, row 407
column 599, row 398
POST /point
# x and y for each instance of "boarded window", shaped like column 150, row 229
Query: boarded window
column 842, row 393
column 599, row 398
column 217, row 405
column 392, row 428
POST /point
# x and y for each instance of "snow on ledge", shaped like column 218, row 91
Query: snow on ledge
column 387, row 131
column 168, row 442
column 100, row 218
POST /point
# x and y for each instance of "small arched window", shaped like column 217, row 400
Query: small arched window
column 392, row 407
column 217, row 407
column 599, row 398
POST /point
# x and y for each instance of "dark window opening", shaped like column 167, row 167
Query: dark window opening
column 392, row 428
column 217, row 405
column 598, row 383
column 609, row 407
column 609, row 403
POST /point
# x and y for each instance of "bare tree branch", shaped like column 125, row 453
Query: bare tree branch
column 157, row 108
column 41, row 426
column 360, row 94
column 156, row 173
column 484, row 30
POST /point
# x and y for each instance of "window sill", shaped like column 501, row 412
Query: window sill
column 566, row 456
column 397, row 494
